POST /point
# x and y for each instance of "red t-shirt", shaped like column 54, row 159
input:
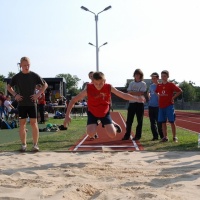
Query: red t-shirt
column 98, row 100
column 166, row 92
column 41, row 99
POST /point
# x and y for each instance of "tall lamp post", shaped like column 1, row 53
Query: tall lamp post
column 96, row 22
column 98, row 50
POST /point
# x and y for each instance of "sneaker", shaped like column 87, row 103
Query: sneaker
column 23, row 147
column 35, row 148
column 118, row 128
column 165, row 139
column 175, row 139
column 61, row 127
column 94, row 137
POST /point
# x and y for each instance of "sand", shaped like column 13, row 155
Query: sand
column 100, row 175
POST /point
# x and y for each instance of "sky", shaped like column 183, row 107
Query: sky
column 152, row 35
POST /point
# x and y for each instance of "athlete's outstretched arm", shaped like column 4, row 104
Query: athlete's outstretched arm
column 127, row 96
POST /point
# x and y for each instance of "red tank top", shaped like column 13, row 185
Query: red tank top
column 98, row 100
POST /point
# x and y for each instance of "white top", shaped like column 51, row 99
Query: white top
column 8, row 104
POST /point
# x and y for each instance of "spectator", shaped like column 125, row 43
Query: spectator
column 156, row 127
column 137, row 88
column 167, row 92
column 26, row 81
column 8, row 105
column 2, row 109
column 41, row 104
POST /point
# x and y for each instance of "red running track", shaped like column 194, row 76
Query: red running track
column 104, row 143
column 186, row 120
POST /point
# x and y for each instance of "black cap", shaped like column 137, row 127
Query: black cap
column 154, row 74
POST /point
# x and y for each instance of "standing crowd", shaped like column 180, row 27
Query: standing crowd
column 28, row 90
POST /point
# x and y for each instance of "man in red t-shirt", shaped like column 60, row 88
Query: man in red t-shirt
column 167, row 92
column 99, row 95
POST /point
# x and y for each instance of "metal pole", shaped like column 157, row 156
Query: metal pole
column 97, row 48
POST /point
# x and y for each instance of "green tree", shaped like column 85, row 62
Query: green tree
column 11, row 74
column 2, row 78
column 71, row 83
column 188, row 91
column 197, row 96
column 2, row 86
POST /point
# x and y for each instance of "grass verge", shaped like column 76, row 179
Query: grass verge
column 63, row 140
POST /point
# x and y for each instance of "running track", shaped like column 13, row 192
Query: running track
column 104, row 143
column 186, row 120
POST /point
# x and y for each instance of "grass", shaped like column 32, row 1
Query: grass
column 63, row 140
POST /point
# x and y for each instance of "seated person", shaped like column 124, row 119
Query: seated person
column 8, row 105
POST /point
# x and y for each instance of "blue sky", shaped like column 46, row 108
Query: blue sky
column 152, row 35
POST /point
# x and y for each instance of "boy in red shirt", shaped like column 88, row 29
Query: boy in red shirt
column 99, row 95
column 167, row 92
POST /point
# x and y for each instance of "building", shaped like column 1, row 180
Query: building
column 56, row 88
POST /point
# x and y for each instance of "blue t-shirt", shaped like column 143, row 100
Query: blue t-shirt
column 153, row 100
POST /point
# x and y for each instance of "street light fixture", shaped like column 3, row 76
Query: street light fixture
column 96, row 20
column 98, row 47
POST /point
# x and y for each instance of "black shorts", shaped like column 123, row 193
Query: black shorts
column 104, row 120
column 27, row 111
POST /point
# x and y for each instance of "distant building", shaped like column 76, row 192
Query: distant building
column 56, row 88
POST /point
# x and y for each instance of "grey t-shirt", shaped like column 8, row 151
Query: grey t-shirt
column 136, row 87
column 25, row 86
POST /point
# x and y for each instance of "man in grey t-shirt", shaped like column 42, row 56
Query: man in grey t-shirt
column 137, row 88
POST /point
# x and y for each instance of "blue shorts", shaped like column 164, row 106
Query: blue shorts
column 27, row 111
column 104, row 120
column 167, row 113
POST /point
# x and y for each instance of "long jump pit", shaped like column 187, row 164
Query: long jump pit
column 104, row 143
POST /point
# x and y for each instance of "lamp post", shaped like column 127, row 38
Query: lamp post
column 96, row 22
column 98, row 50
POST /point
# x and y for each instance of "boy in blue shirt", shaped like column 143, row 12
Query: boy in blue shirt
column 156, row 127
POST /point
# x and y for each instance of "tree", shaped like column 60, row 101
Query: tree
column 71, row 83
column 2, row 78
column 188, row 91
column 11, row 74
column 2, row 86
column 197, row 96
column 174, row 81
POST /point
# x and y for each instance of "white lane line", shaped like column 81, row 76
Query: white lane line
column 187, row 121
column 109, row 146
column 81, row 142
column 187, row 129
column 103, row 146
column 134, row 143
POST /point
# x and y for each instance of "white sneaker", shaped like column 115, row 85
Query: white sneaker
column 118, row 127
column 23, row 147
column 35, row 148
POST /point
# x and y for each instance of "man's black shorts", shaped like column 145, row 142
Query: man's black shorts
column 27, row 111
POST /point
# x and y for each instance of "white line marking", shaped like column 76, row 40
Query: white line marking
column 81, row 142
column 188, row 121
column 134, row 143
column 110, row 146
column 187, row 129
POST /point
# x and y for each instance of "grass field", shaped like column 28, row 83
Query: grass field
column 63, row 140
